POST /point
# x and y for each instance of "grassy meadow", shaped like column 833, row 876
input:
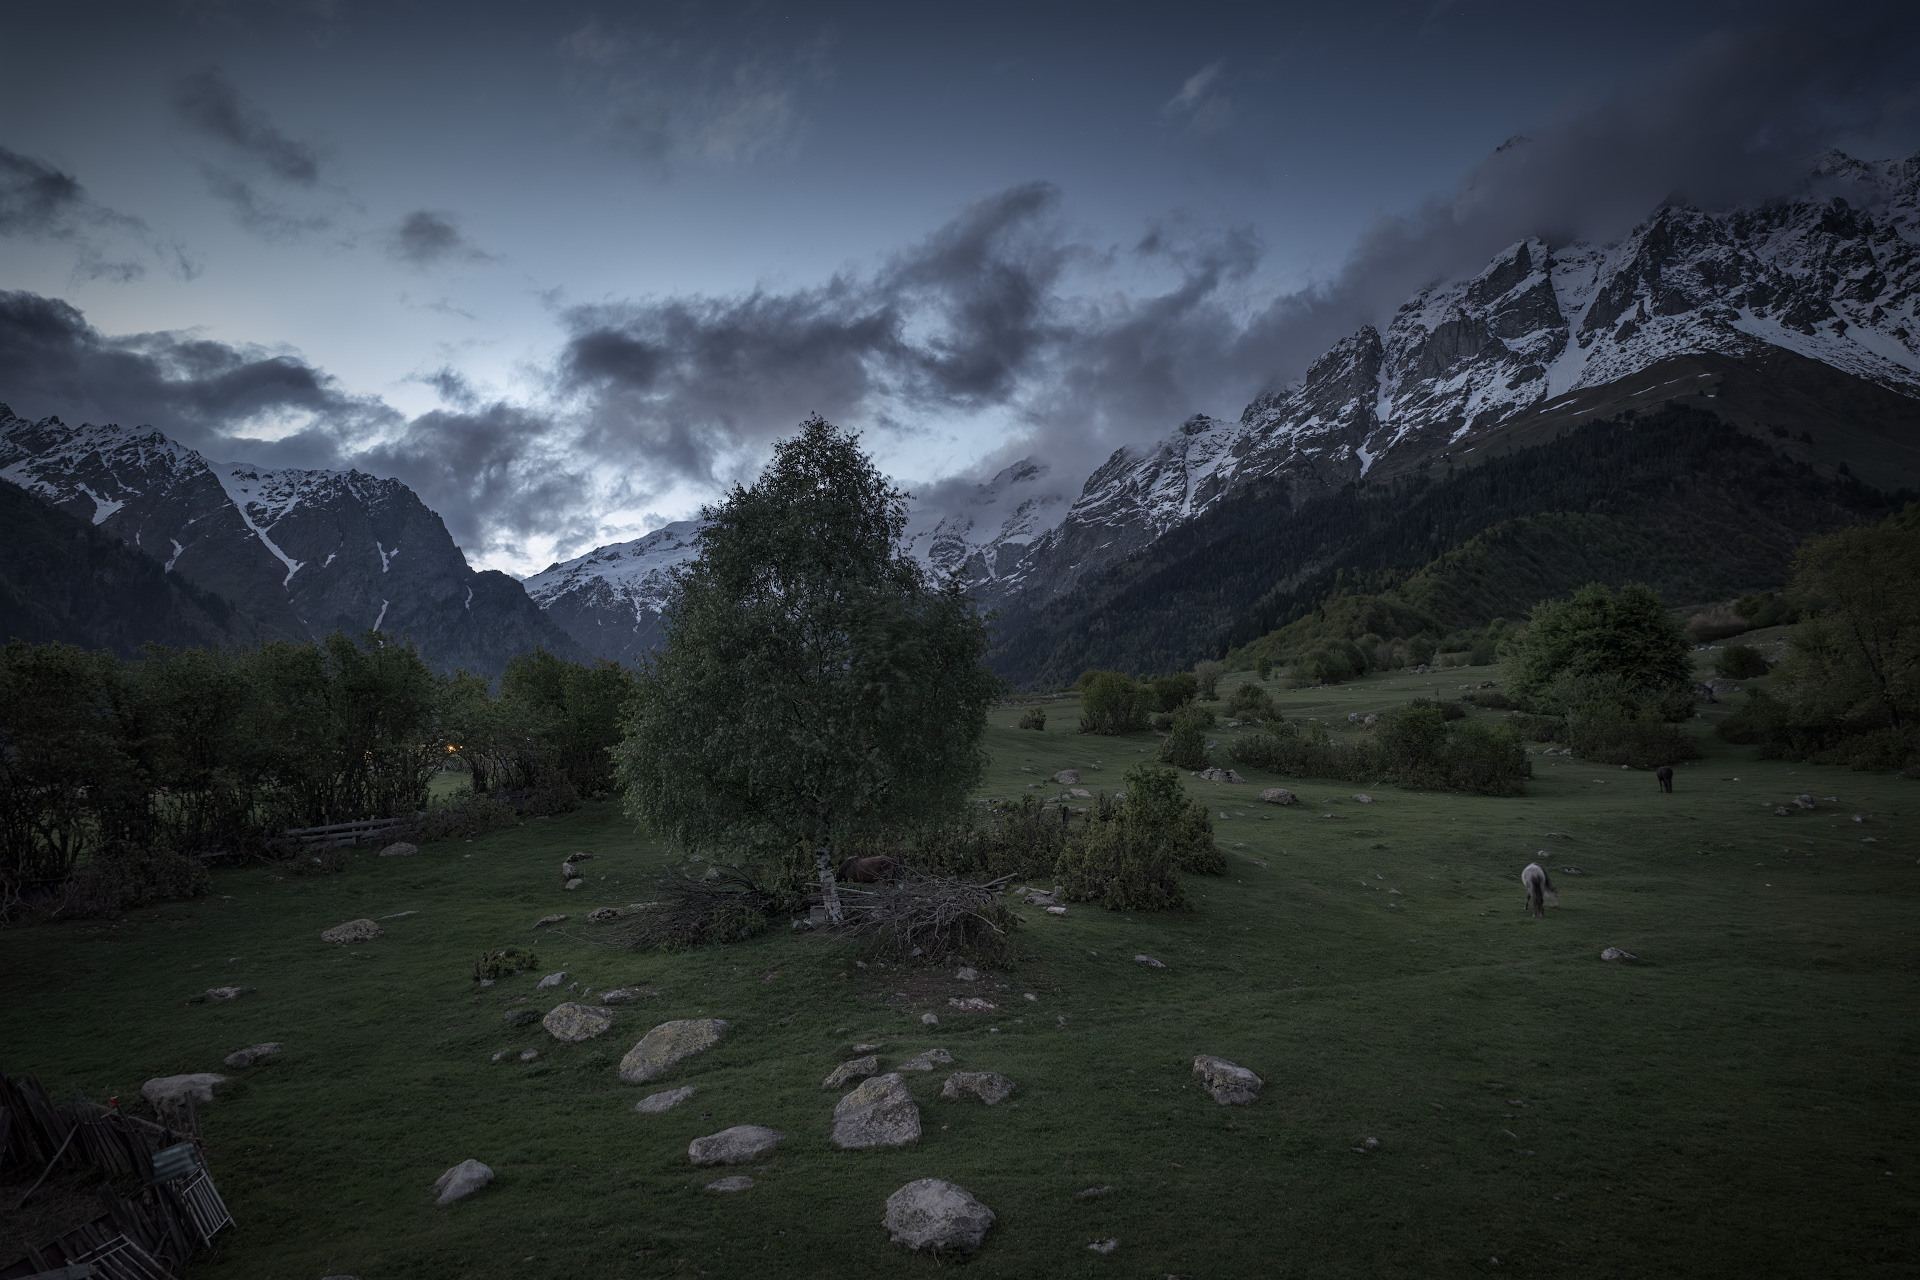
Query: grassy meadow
column 1742, row 1101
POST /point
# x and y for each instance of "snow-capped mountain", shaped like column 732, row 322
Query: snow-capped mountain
column 299, row 552
column 1832, row 275
column 991, row 528
column 609, row 599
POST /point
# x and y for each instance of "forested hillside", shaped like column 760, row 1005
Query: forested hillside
column 1677, row 499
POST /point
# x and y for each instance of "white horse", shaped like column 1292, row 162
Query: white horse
column 1540, row 894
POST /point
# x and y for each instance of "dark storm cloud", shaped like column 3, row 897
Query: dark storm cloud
column 429, row 237
column 209, row 103
column 40, row 201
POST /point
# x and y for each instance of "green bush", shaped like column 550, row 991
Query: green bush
column 1023, row 837
column 1414, row 746
column 1128, row 857
column 1741, row 662
column 1250, row 701
column 495, row 965
column 119, row 877
column 1263, row 668
column 1170, row 693
column 1539, row 728
column 1449, row 709
column 1113, row 704
column 1331, row 662
column 1034, row 718
column 1491, row 699
column 1185, row 746
column 1644, row 742
column 1206, row 674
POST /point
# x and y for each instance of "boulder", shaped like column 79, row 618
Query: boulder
column 601, row 915
column 967, row 973
column 574, row 883
column 929, row 1019
column 1277, row 795
column 880, row 1113
column 170, row 1094
column 1229, row 1084
column 1363, row 798
column 570, row 1023
column 654, row 1103
column 1150, row 962
column 988, row 1086
column 1067, row 777
column 1105, row 1246
column 1056, row 911
column 932, row 1213
column 225, row 993
column 858, row 1069
column 1081, row 793
column 1617, row 953
column 400, row 849
column 737, row 1145
column 667, row 1044
column 736, row 1182
column 240, row 1059
column 620, row 995
column 352, row 931
column 927, row 1061
column 547, row 920
column 551, row 980
column 461, row 1181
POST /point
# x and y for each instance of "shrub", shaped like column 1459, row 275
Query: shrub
column 1420, row 649
column 1128, row 857
column 1741, row 662
column 120, row 876
column 935, row 919
column 1112, row 704
column 1491, row 699
column 472, row 816
column 1185, row 746
column 1021, row 838
column 1250, row 701
column 1263, row 668
column 1539, row 728
column 1332, row 662
column 1620, row 645
column 495, row 965
column 724, row 904
column 1413, row 747
column 1643, row 742
column 1449, row 709
column 1034, row 718
column 1170, row 693
column 1206, row 674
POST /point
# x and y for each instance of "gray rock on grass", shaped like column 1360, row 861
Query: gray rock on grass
column 1067, row 777
column 989, row 1086
column 734, row 1182
column 400, row 849
column 461, row 1181
column 547, row 920
column 667, row 1044
column 737, row 1145
column 620, row 995
column 880, row 1113
column 932, row 1213
column 1277, row 795
column 570, row 1023
column 1230, row 1084
column 655, row 1103
column 929, row 1019
column 171, row 1093
column 927, row 1061
column 1150, row 962
column 224, row 993
column 551, row 980
column 854, row 1070
column 351, row 931
column 1618, row 953
column 240, row 1059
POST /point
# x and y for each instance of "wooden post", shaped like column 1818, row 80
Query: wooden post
column 829, row 894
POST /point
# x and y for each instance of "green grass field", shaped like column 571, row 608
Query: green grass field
column 1740, row 1102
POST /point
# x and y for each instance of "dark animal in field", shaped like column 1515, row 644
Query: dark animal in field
column 1540, row 894
column 1665, row 774
column 875, row 870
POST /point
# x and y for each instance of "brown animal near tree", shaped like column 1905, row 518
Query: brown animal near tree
column 874, row 870
column 1665, row 775
column 1540, row 894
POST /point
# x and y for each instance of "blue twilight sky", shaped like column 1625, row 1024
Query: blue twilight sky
column 567, row 269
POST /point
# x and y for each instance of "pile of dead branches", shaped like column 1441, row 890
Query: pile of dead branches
column 722, row 904
column 932, row 918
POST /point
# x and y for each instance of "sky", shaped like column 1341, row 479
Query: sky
column 568, row 270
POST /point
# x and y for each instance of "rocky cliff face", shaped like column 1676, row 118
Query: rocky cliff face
column 300, row 553
column 1832, row 275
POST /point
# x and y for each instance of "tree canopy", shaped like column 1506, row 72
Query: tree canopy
column 814, row 684
column 1623, row 640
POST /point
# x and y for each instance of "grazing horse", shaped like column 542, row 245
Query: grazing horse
column 1665, row 774
column 1540, row 894
column 872, row 870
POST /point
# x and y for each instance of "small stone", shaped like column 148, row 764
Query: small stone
column 667, row 1044
column 737, row 1145
column 240, row 1059
column 601, row 915
column 988, row 1086
column 1067, row 777
column 1368, row 1145
column 547, row 920
column 967, row 973
column 1030, row 996
column 528, row 1055
column 654, row 1103
column 1104, row 1246
column 1056, row 911
column 1080, row 793
column 1230, row 1084
column 400, row 849
column 225, row 993
column 485, row 983
column 461, row 1181
column 1149, row 961
column 1616, row 953
column 878, row 1113
column 1277, row 795
column 858, row 1069
column 927, row 1061
column 574, row 883
column 1363, row 798
column 1093, row 1193
column 352, row 931
column 735, row 1182
column 932, row 1213
column 866, row 1048
column 972, row 1004
column 620, row 995
column 171, row 1093
column 929, row 1019
column 551, row 980
column 571, row 1023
